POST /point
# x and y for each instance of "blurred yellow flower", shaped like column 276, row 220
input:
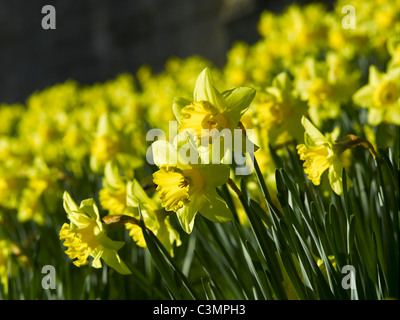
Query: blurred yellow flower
column 5, row 256
column 381, row 96
column 279, row 110
column 122, row 197
column 154, row 216
column 112, row 196
column 325, row 85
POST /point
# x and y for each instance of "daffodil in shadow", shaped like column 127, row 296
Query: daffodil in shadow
column 319, row 154
column 154, row 216
column 86, row 236
column 122, row 199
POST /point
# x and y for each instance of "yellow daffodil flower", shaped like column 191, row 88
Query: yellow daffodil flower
column 279, row 111
column 86, row 236
column 112, row 196
column 236, row 69
column 381, row 96
column 154, row 216
column 187, row 188
column 211, row 109
column 325, row 85
column 320, row 154
column 121, row 197
column 106, row 144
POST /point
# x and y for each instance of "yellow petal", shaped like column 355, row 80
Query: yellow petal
column 312, row 137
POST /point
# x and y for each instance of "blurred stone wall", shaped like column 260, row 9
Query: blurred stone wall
column 95, row 40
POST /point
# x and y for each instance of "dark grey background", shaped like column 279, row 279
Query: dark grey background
column 95, row 40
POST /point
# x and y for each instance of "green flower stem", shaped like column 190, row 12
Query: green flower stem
column 142, row 281
column 264, row 243
column 166, row 265
column 271, row 207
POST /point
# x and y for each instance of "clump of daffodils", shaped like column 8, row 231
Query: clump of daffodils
column 188, row 187
column 122, row 197
column 308, row 85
